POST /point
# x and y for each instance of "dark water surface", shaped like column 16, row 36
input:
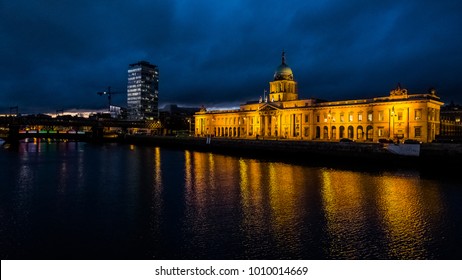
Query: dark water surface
column 84, row 201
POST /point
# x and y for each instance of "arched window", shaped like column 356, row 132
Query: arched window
column 360, row 132
column 325, row 133
column 350, row 132
column 333, row 132
column 341, row 132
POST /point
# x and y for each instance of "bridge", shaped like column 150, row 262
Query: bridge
column 16, row 128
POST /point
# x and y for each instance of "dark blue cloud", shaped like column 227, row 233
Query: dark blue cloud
column 58, row 54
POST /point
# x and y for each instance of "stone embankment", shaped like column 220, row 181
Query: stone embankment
column 435, row 154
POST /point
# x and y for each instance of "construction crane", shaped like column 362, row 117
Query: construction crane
column 109, row 94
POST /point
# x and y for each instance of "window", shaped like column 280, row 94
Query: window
column 325, row 117
column 317, row 118
column 418, row 114
column 326, row 133
column 342, row 117
column 417, row 131
column 360, row 132
column 360, row 117
column 350, row 132
column 307, row 118
column 369, row 133
column 380, row 131
column 333, row 117
column 369, row 116
column 307, row 131
column 400, row 115
column 350, row 117
column 380, row 116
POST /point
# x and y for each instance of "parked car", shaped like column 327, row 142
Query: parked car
column 411, row 141
column 346, row 140
column 384, row 140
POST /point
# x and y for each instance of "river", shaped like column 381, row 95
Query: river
column 85, row 201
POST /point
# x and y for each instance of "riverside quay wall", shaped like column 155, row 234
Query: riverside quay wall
column 432, row 155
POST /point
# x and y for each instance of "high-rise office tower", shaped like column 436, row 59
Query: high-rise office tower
column 143, row 91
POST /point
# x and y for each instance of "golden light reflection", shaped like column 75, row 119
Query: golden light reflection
column 196, row 182
column 406, row 211
column 344, row 207
column 211, row 168
column 268, row 199
column 187, row 169
column 283, row 195
column 250, row 186
column 157, row 167
column 156, row 192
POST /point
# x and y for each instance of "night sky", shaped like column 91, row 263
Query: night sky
column 56, row 54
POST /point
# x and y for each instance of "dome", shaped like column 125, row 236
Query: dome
column 283, row 72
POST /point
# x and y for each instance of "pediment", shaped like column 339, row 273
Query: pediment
column 268, row 107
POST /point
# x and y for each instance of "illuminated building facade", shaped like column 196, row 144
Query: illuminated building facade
column 143, row 91
column 282, row 115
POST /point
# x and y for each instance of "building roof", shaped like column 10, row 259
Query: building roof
column 283, row 72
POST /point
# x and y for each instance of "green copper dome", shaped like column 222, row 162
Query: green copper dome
column 283, row 72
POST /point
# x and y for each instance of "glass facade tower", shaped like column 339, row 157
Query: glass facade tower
column 143, row 91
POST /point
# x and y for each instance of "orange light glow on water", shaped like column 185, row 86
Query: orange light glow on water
column 187, row 170
column 158, row 167
column 404, row 208
column 344, row 210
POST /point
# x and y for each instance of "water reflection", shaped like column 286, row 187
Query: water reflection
column 365, row 215
column 407, row 212
column 91, row 201
column 346, row 214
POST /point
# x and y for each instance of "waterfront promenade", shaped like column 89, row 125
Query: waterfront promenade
column 434, row 155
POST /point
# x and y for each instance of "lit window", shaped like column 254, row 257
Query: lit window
column 380, row 116
column 350, row 117
column 342, row 117
column 400, row 116
column 360, row 117
column 418, row 114
column 380, row 131
column 369, row 116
